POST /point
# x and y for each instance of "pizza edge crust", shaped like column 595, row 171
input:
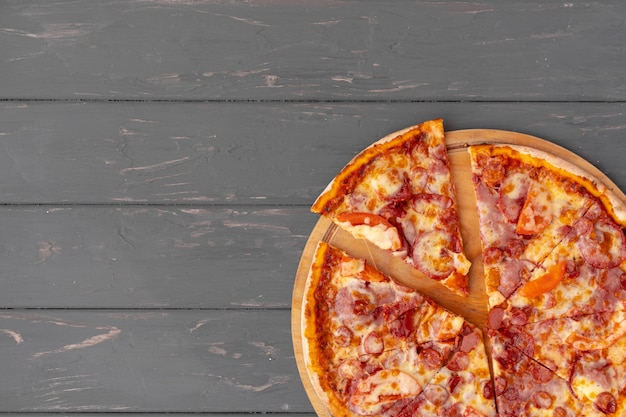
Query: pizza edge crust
column 595, row 186
column 308, row 321
column 333, row 189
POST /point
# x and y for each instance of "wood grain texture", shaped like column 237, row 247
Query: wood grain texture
column 150, row 257
column 166, row 414
column 401, row 50
column 215, row 153
column 158, row 158
column 182, row 361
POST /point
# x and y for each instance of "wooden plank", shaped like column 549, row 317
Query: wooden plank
column 157, row 414
column 149, row 361
column 247, row 153
column 147, row 257
column 401, row 50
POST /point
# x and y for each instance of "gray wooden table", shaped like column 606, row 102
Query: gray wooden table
column 158, row 159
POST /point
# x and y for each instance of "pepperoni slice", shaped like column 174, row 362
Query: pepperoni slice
column 373, row 343
column 604, row 246
column 542, row 399
column 343, row 336
column 513, row 192
column 492, row 171
column 499, row 385
column 541, row 374
column 606, row 403
column 431, row 254
column 537, row 212
column 431, row 358
column 488, row 390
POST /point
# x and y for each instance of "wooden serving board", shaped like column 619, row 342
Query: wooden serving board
column 474, row 306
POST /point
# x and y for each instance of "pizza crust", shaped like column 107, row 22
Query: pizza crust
column 357, row 162
column 612, row 202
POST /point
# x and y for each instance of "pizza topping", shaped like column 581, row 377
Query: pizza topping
column 513, row 191
column 493, row 170
column 511, row 393
column 382, row 388
column 469, row 342
column 431, row 358
column 373, row 343
column 350, row 369
column 518, row 317
column 604, row 245
column 373, row 228
column 510, row 276
column 428, row 212
column 560, row 412
column 541, row 374
column 499, row 383
column 454, row 381
column 419, row 178
column 433, row 256
column 343, row 336
column 488, row 390
column 596, row 331
column 458, row 362
column 495, row 317
column 606, row 403
column 404, row 325
column 542, row 399
column 536, row 214
column 471, row 412
column 546, row 282
column 436, row 264
column 436, row 394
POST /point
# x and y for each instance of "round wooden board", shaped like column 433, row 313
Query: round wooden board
column 474, row 306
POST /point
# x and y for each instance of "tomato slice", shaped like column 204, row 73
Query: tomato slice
column 546, row 282
column 536, row 214
column 373, row 228
column 360, row 218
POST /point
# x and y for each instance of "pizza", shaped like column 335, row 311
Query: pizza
column 525, row 387
column 553, row 252
column 542, row 223
column 398, row 195
column 555, row 268
column 374, row 347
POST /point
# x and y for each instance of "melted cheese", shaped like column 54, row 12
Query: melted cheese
column 383, row 387
column 384, row 237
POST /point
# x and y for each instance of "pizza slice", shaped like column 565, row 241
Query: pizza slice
column 523, row 387
column 588, row 351
column 370, row 344
column 528, row 202
column 585, row 274
column 463, row 386
column 348, row 349
column 398, row 195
